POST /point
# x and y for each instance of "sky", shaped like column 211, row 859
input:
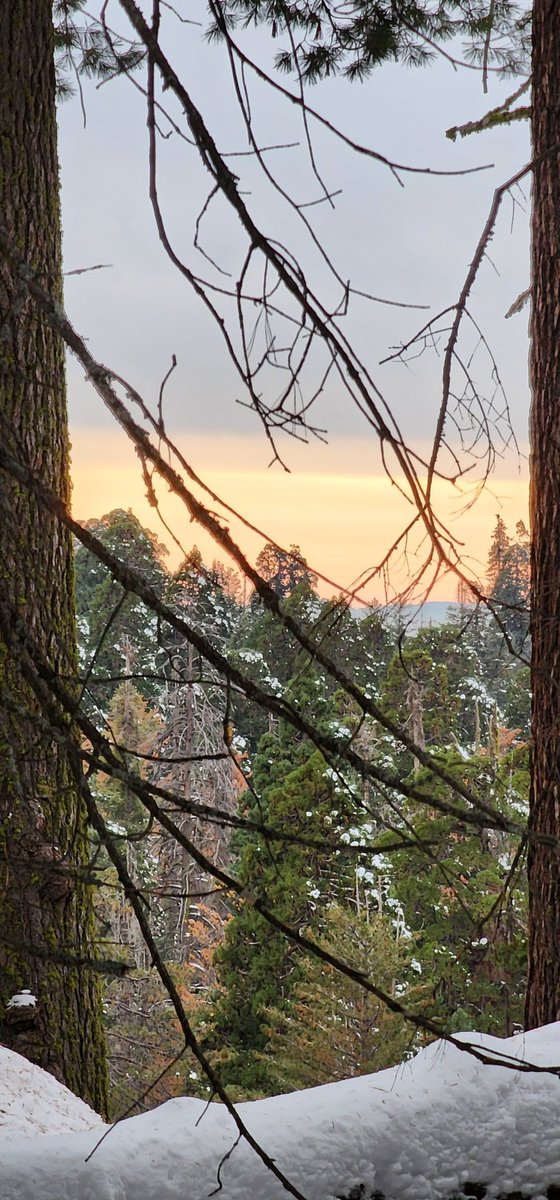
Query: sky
column 428, row 1127
column 341, row 517
column 409, row 239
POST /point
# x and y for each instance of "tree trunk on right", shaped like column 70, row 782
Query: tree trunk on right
column 543, row 984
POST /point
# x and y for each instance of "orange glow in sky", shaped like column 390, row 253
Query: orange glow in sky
column 343, row 519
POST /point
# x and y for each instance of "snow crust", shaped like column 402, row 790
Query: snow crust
column 416, row 1132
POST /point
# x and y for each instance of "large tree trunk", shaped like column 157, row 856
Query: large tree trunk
column 43, row 844
column 543, row 989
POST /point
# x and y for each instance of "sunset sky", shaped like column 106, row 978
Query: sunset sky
column 410, row 243
column 344, row 519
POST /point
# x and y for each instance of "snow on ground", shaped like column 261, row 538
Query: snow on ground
column 416, row 1132
column 32, row 1102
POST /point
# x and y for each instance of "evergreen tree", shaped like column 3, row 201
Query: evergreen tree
column 46, row 902
column 284, row 570
column 333, row 1029
column 118, row 635
column 467, row 916
column 416, row 696
column 269, row 654
column 207, row 596
column 328, row 41
column 256, row 966
column 386, row 35
column 499, row 547
column 543, row 986
column 455, row 652
column 359, row 647
column 510, row 588
column 504, row 646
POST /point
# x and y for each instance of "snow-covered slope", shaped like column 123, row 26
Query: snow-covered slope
column 32, row 1102
column 420, row 1131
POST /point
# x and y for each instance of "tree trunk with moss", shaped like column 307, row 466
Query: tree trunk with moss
column 543, row 990
column 45, row 903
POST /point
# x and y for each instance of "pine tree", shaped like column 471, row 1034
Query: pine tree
column 271, row 655
column 543, row 985
column 207, row 595
column 329, row 41
column 510, row 587
column 333, row 1029
column 415, row 684
column 499, row 547
column 118, row 634
column 465, row 913
column 284, row 570
column 46, row 901
column 257, row 967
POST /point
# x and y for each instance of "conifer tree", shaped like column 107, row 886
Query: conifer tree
column 333, row 1029
column 543, row 987
column 465, row 911
column 499, row 547
column 118, row 634
column 46, row 903
column 256, row 967
column 510, row 587
column 328, row 41
column 284, row 570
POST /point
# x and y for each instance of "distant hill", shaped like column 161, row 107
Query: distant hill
column 433, row 612
column 414, row 616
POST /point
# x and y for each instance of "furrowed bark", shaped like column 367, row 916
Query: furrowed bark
column 543, row 985
column 44, row 902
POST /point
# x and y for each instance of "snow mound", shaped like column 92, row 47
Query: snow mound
column 33, row 1102
column 421, row 1131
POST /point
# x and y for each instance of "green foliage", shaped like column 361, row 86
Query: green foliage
column 333, row 1029
column 463, row 904
column 413, row 678
column 83, row 49
column 504, row 645
column 118, row 635
column 509, row 579
column 497, row 552
column 441, row 924
column 256, row 966
column 270, row 655
column 470, row 706
column 359, row 647
column 206, row 597
column 284, row 570
column 324, row 40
